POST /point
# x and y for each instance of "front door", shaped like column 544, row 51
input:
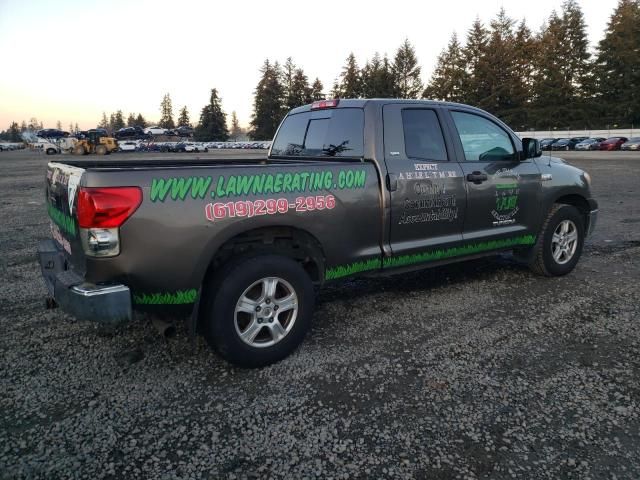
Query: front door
column 426, row 185
column 502, row 190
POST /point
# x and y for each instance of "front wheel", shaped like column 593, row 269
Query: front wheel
column 258, row 310
column 559, row 245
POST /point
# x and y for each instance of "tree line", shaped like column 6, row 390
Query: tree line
column 532, row 80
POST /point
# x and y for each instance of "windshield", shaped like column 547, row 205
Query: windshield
column 318, row 133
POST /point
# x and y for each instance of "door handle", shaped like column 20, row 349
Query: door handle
column 392, row 182
column 477, row 177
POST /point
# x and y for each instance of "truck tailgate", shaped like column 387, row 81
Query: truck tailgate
column 61, row 192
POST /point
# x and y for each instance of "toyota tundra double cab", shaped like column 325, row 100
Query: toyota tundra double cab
column 350, row 187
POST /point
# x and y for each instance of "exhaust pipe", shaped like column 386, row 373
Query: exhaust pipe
column 164, row 328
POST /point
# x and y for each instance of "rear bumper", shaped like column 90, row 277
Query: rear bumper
column 108, row 304
column 592, row 217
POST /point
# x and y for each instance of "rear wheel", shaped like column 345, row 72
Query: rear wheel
column 259, row 310
column 559, row 245
column 78, row 150
column 51, row 151
column 101, row 150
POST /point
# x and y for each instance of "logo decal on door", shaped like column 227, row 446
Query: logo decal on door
column 507, row 184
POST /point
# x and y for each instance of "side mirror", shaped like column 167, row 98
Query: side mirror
column 531, row 148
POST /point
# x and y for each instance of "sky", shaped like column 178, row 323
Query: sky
column 70, row 60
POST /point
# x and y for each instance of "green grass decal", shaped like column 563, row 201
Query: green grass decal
column 506, row 186
column 403, row 260
column 463, row 250
column 181, row 297
column 350, row 269
column 65, row 222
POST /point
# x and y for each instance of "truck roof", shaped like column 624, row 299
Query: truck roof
column 363, row 102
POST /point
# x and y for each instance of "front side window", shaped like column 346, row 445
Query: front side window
column 333, row 133
column 482, row 140
column 423, row 139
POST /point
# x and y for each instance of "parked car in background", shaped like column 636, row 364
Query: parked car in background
column 613, row 143
column 131, row 132
column 194, row 147
column 184, row 131
column 128, row 146
column 155, row 130
column 51, row 133
column 631, row 144
column 566, row 143
column 545, row 143
column 589, row 144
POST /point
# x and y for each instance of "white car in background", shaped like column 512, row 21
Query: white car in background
column 156, row 131
column 195, row 147
column 127, row 146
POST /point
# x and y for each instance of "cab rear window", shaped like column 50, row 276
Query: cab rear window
column 330, row 133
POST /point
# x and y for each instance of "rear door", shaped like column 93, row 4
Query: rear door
column 502, row 191
column 425, row 183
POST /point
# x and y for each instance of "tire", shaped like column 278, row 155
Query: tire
column 273, row 336
column 547, row 257
column 101, row 150
column 50, row 151
column 206, row 150
column 78, row 150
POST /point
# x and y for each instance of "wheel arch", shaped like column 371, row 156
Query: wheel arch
column 578, row 201
column 289, row 241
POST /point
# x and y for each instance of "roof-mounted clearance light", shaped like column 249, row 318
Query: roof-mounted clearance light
column 325, row 104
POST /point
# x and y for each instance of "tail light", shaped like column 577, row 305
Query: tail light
column 325, row 104
column 107, row 207
column 101, row 211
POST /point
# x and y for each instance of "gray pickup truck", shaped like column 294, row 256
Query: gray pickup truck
column 350, row 187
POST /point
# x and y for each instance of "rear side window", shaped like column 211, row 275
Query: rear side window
column 423, row 137
column 332, row 133
column 482, row 140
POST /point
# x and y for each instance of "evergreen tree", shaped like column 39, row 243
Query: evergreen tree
column 33, row 124
column 166, row 113
column 316, row 90
column 118, row 121
column 236, row 131
column 476, row 85
column 351, row 81
column 131, row 120
column 448, row 79
column 213, row 121
column 140, row 121
column 407, row 72
column 288, row 74
column 617, row 70
column 524, row 57
column 183, row 118
column 59, row 125
column 335, row 90
column 71, row 128
column 500, row 68
column 23, row 126
column 301, row 93
column 377, row 78
column 552, row 92
column 104, row 123
column 268, row 103
column 14, row 133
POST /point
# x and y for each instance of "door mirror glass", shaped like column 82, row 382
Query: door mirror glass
column 531, row 148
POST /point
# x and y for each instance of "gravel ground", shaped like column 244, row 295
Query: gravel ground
column 478, row 370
